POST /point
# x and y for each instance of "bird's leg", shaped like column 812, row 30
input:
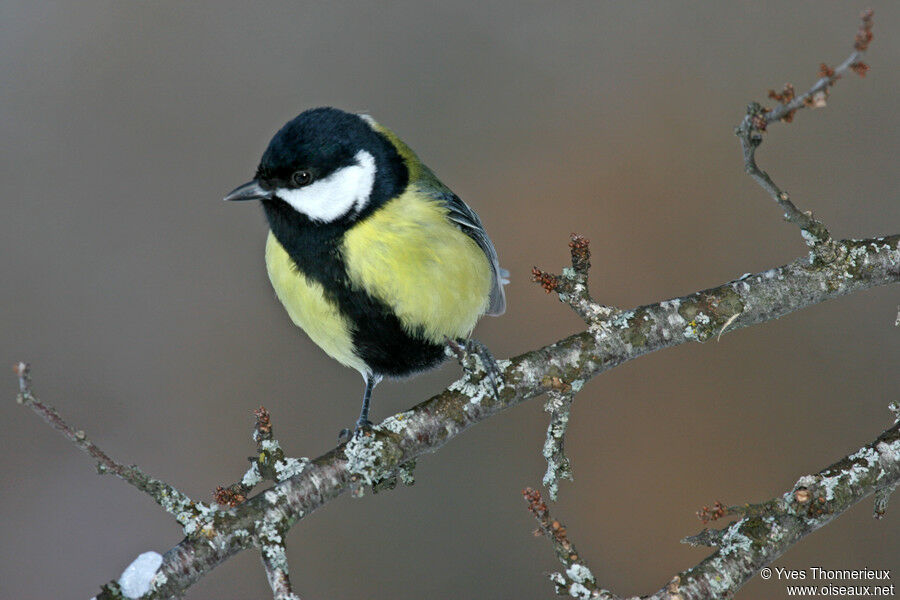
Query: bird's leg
column 363, row 422
column 463, row 348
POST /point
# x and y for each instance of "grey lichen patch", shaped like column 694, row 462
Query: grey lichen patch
column 580, row 574
column 717, row 573
column 858, row 262
column 252, row 477
column 776, row 531
column 848, row 473
column 810, row 239
column 269, row 534
column 577, row 590
column 672, row 304
column 398, row 423
column 559, row 582
column 159, row 580
column 572, row 584
column 837, row 487
column 273, row 495
column 177, row 504
column 882, row 498
column 406, row 473
column 275, row 556
column 735, row 540
column 370, row 459
column 637, row 328
column 622, row 319
column 270, row 528
column 271, row 463
column 475, row 392
column 198, row 519
column 888, row 455
column 288, row 467
column 722, row 581
column 490, row 387
column 558, row 466
column 698, row 328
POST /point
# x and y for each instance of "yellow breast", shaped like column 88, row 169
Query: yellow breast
column 305, row 302
column 433, row 276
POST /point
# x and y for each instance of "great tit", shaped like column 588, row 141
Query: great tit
column 370, row 254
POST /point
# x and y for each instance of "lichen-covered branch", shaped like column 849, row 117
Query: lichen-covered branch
column 274, row 559
column 572, row 285
column 759, row 538
column 187, row 512
column 559, row 405
column 270, row 463
column 764, row 532
column 426, row 427
column 577, row 581
column 572, row 288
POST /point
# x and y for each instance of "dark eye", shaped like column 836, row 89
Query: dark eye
column 301, row 178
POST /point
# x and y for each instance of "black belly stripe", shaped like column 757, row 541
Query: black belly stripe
column 378, row 337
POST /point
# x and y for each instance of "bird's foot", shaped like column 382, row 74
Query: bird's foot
column 463, row 349
column 362, row 426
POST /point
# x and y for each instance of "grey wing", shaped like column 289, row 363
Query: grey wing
column 460, row 213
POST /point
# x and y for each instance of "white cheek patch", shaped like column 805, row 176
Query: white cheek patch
column 348, row 188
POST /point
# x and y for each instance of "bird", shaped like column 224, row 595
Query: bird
column 375, row 259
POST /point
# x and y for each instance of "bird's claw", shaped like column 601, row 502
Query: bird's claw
column 464, row 348
column 345, row 435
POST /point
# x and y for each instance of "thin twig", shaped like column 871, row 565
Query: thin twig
column 559, row 405
column 572, row 285
column 274, row 561
column 707, row 537
column 829, row 76
column 577, row 580
column 757, row 119
column 882, row 497
column 270, row 463
column 179, row 505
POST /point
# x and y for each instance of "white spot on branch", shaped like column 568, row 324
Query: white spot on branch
column 138, row 576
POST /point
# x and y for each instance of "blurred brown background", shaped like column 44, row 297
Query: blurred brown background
column 142, row 301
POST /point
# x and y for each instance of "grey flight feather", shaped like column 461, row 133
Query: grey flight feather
column 460, row 213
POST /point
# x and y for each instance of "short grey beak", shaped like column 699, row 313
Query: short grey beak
column 249, row 191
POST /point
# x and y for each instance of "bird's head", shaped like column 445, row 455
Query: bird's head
column 328, row 166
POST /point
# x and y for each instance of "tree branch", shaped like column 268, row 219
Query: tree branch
column 764, row 533
column 274, row 559
column 578, row 581
column 608, row 343
column 187, row 512
column 758, row 118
